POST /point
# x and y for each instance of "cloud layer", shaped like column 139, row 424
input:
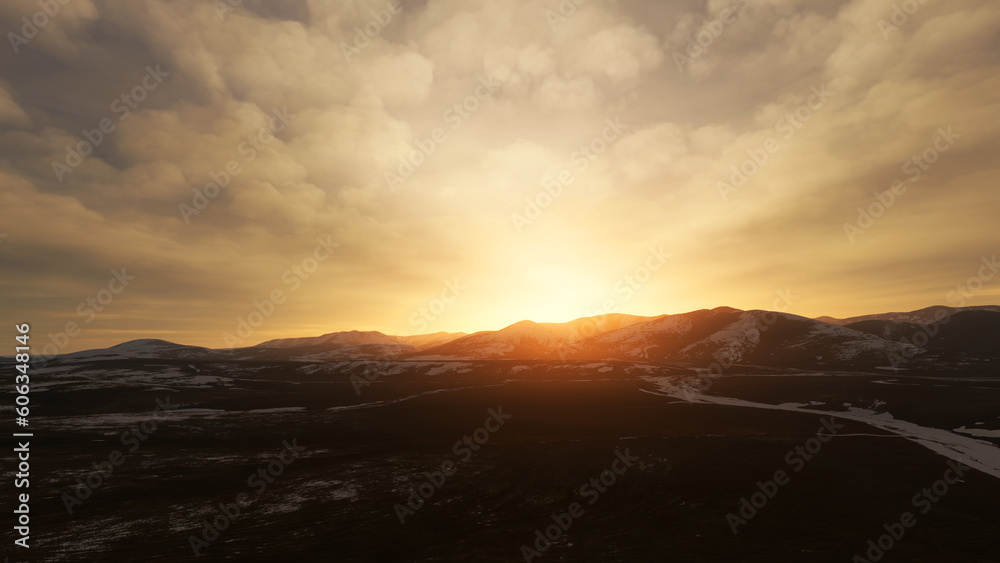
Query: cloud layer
column 534, row 151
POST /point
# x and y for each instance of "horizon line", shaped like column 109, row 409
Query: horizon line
column 467, row 333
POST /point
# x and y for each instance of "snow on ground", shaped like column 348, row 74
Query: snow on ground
column 443, row 358
column 732, row 342
column 809, row 404
column 634, row 340
column 977, row 454
column 126, row 420
column 982, row 432
column 392, row 368
column 165, row 376
column 407, row 398
column 438, row 369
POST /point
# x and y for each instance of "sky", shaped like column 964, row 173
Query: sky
column 223, row 173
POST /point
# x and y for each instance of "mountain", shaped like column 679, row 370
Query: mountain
column 974, row 332
column 890, row 330
column 924, row 316
column 723, row 335
column 658, row 338
column 351, row 338
column 146, row 348
column 728, row 335
column 425, row 341
column 362, row 338
column 349, row 345
column 528, row 340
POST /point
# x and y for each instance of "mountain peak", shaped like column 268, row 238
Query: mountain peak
column 145, row 343
column 725, row 309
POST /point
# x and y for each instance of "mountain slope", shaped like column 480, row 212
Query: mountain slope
column 974, row 333
column 726, row 335
column 896, row 331
column 921, row 316
column 362, row 338
column 349, row 338
column 718, row 336
column 146, row 348
column 528, row 340
column 425, row 341
column 723, row 335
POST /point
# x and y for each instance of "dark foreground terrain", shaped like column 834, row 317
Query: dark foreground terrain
column 359, row 457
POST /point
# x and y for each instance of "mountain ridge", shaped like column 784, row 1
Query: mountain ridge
column 926, row 315
column 723, row 335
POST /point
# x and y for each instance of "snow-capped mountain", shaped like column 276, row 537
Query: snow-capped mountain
column 424, row 341
column 362, row 338
column 727, row 335
column 349, row 345
column 920, row 317
column 350, row 338
column 146, row 348
column 722, row 335
column 530, row 340
column 973, row 332
column 890, row 330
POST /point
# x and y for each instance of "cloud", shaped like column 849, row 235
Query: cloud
column 11, row 113
column 400, row 80
column 354, row 118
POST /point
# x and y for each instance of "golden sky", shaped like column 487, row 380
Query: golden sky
column 466, row 164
